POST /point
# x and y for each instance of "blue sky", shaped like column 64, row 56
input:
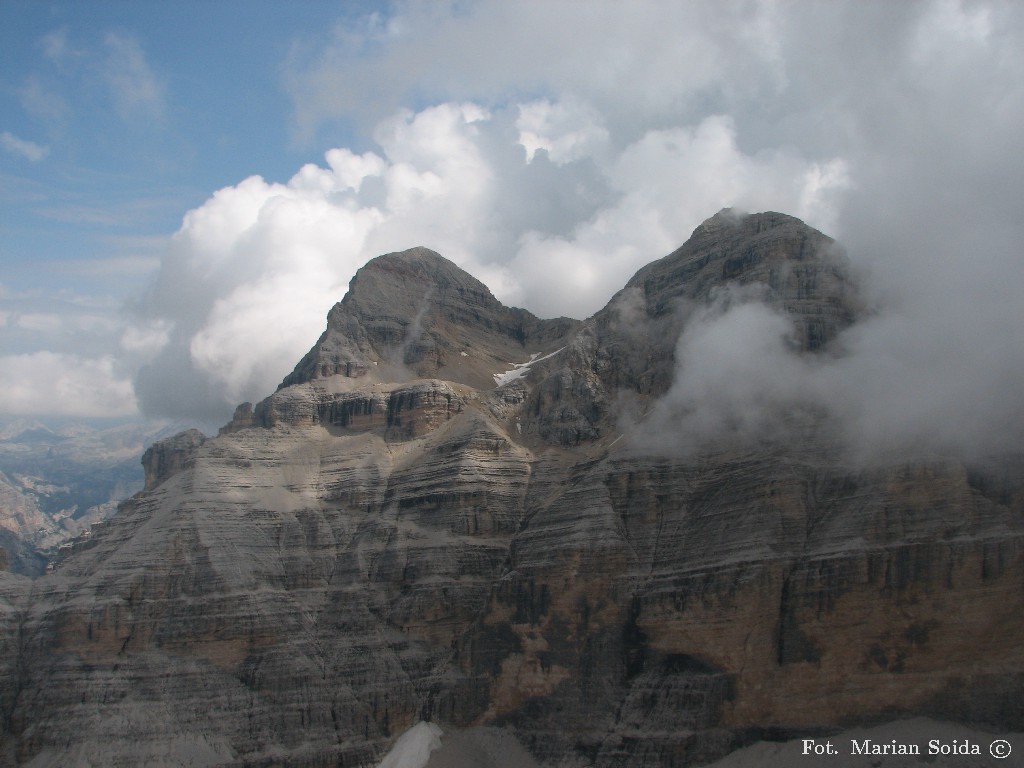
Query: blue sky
column 123, row 115
column 187, row 187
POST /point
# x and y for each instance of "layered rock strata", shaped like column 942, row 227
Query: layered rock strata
column 390, row 537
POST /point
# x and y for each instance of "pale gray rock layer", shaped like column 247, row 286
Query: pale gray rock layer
column 390, row 538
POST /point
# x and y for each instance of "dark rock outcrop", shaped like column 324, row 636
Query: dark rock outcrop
column 474, row 545
column 170, row 456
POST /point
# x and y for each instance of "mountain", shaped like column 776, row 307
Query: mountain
column 457, row 512
column 417, row 315
column 57, row 480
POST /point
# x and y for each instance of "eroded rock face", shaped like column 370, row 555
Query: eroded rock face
column 764, row 592
column 355, row 554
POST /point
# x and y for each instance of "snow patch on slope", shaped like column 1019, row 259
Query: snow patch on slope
column 518, row 370
column 413, row 748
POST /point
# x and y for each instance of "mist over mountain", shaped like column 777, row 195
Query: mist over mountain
column 729, row 507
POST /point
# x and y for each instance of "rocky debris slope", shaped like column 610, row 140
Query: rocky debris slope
column 391, row 538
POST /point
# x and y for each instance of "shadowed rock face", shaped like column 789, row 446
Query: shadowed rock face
column 390, row 537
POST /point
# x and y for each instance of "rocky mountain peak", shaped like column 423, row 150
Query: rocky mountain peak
column 418, row 266
column 414, row 314
column 791, row 265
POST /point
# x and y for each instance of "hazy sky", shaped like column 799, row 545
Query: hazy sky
column 187, row 187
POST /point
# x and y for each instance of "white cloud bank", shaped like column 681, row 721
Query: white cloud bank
column 52, row 384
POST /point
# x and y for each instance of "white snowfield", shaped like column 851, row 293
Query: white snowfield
column 413, row 748
column 518, row 370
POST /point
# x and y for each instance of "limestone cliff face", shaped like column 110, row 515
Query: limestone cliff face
column 392, row 537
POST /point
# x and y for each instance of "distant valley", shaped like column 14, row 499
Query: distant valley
column 57, row 480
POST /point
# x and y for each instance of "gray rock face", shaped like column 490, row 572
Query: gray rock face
column 793, row 266
column 360, row 552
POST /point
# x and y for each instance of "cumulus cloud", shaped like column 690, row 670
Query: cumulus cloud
column 145, row 340
column 737, row 379
column 565, row 130
column 896, row 389
column 245, row 282
column 251, row 274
